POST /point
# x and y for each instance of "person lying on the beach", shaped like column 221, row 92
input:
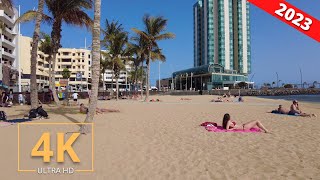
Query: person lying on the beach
column 280, row 110
column 85, row 110
column 230, row 125
column 220, row 99
column 241, row 99
column 185, row 99
column 295, row 110
column 155, row 100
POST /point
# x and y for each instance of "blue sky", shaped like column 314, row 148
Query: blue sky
column 276, row 47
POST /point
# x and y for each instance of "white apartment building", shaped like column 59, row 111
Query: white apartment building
column 8, row 44
column 78, row 61
column 25, row 44
column 123, row 79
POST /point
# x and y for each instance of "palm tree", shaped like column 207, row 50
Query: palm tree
column 154, row 32
column 118, row 49
column 111, row 29
column 66, row 73
column 69, row 12
column 103, row 67
column 95, row 67
column 46, row 47
column 34, row 55
column 139, row 49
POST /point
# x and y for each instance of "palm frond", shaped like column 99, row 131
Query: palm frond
column 165, row 36
column 31, row 16
column 78, row 18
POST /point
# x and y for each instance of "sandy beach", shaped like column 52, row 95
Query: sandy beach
column 163, row 140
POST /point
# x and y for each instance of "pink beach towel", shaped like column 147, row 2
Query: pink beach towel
column 213, row 127
column 4, row 124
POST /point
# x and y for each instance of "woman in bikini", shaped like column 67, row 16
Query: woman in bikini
column 230, row 125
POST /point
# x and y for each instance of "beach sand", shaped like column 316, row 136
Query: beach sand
column 163, row 140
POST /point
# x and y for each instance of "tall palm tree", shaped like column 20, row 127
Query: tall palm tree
column 139, row 49
column 45, row 46
column 34, row 56
column 118, row 50
column 69, row 12
column 95, row 67
column 109, row 33
column 103, row 68
column 154, row 31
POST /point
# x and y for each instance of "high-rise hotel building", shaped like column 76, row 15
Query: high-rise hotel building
column 222, row 34
column 221, row 44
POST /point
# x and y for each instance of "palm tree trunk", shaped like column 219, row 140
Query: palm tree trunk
column 53, row 83
column 141, row 84
column 117, row 88
column 95, row 67
column 34, row 56
column 135, row 79
column 103, row 82
column 148, row 78
column 50, row 70
column 112, row 76
column 67, row 94
column 55, row 36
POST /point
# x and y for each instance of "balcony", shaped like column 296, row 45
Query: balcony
column 7, row 42
column 10, row 32
column 5, row 18
column 8, row 55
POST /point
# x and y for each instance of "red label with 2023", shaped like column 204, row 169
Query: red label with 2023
column 292, row 16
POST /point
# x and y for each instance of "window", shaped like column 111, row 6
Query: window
column 89, row 56
column 58, row 67
column 73, row 54
column 83, row 60
column 73, row 67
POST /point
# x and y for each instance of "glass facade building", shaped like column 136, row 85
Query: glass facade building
column 221, row 46
column 222, row 34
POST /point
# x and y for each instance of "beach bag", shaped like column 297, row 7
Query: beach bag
column 33, row 113
column 3, row 116
column 41, row 112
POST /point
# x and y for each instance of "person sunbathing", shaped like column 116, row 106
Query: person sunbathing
column 280, row 110
column 155, row 100
column 295, row 110
column 231, row 125
column 85, row 110
column 219, row 99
